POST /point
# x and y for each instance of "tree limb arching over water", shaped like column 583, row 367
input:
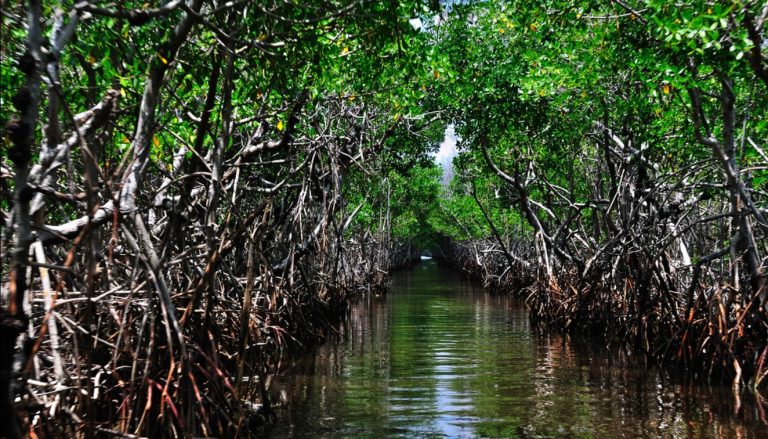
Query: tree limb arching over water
column 191, row 187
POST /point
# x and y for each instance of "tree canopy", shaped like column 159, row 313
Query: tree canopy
column 191, row 186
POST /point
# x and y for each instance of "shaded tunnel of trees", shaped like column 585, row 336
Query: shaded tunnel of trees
column 191, row 188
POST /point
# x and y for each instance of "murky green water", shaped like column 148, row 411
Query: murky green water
column 439, row 357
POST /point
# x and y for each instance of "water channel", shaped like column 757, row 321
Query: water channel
column 439, row 357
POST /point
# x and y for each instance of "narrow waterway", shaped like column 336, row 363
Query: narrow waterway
column 439, row 357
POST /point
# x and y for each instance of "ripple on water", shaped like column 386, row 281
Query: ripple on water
column 438, row 357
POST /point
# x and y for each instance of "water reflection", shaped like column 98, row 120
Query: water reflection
column 441, row 358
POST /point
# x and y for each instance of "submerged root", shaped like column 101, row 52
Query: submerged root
column 723, row 337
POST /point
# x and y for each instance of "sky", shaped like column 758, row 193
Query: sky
column 445, row 154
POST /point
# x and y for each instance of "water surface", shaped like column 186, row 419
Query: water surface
column 439, row 357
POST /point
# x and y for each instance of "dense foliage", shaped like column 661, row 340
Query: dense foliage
column 630, row 138
column 191, row 186
column 180, row 184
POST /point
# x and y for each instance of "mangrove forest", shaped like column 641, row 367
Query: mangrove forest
column 362, row 218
